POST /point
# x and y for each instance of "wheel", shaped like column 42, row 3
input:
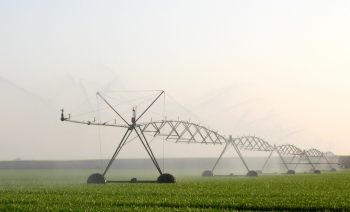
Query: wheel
column 96, row 178
column 290, row 172
column 166, row 178
column 252, row 173
column 207, row 173
column 317, row 171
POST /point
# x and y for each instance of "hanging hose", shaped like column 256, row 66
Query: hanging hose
column 99, row 132
column 163, row 119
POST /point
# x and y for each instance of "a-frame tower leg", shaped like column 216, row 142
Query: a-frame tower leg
column 218, row 160
column 289, row 171
column 267, row 160
column 116, row 152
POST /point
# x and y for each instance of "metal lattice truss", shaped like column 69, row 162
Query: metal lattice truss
column 246, row 143
column 319, row 158
column 314, row 153
column 183, row 131
column 289, row 149
column 253, row 143
column 329, row 154
column 332, row 158
column 293, row 153
column 310, row 157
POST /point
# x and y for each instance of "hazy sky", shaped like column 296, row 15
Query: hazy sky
column 276, row 69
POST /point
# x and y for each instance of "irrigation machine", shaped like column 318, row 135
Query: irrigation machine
column 187, row 132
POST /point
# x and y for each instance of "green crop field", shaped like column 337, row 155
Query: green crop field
column 29, row 190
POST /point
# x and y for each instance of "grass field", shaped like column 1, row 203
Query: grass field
column 29, row 190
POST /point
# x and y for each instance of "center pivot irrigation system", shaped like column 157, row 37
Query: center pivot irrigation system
column 188, row 132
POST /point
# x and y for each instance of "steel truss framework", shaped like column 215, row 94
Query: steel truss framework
column 311, row 157
column 333, row 159
column 289, row 150
column 247, row 143
column 182, row 131
column 187, row 132
column 319, row 158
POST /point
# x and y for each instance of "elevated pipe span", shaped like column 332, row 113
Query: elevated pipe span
column 188, row 132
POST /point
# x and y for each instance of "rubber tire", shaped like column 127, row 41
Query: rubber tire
column 166, row 178
column 317, row 171
column 290, row 172
column 207, row 173
column 96, row 178
column 252, row 173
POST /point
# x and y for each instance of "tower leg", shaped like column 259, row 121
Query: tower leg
column 267, row 160
column 222, row 153
column 98, row 178
column 120, row 146
column 163, row 177
column 297, row 163
column 145, row 144
column 240, row 156
column 284, row 163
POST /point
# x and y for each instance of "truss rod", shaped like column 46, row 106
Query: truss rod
column 112, row 107
column 282, row 159
column 308, row 158
column 149, row 147
column 149, row 151
column 239, row 153
column 293, row 161
column 267, row 160
column 121, row 144
column 309, row 163
column 329, row 164
column 222, row 153
column 296, row 165
column 149, row 106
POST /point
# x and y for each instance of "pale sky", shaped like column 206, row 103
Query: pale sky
column 276, row 69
